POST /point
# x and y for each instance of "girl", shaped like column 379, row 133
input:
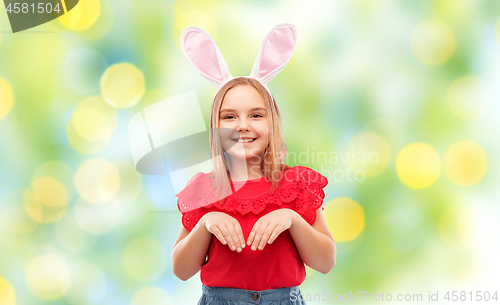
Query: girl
column 257, row 218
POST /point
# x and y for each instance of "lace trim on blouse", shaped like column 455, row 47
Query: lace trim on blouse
column 302, row 184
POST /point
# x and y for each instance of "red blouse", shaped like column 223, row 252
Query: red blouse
column 278, row 264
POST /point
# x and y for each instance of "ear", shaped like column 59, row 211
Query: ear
column 201, row 50
column 275, row 52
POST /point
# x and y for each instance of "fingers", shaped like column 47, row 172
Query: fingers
column 232, row 237
column 219, row 235
column 226, row 229
column 271, row 229
column 239, row 233
column 255, row 228
column 261, row 233
column 275, row 234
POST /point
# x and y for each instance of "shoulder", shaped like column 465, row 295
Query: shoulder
column 305, row 186
column 197, row 193
column 193, row 197
column 195, row 185
column 304, row 174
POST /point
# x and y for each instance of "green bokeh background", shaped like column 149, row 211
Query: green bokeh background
column 355, row 69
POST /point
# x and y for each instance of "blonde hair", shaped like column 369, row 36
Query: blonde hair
column 272, row 165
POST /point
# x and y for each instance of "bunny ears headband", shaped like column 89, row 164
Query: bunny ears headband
column 275, row 52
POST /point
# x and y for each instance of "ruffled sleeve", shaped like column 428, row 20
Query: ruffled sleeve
column 193, row 200
column 308, row 186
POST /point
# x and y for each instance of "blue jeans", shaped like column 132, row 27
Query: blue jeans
column 233, row 296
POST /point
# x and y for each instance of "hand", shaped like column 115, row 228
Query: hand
column 269, row 226
column 226, row 228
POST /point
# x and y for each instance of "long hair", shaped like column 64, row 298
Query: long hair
column 272, row 164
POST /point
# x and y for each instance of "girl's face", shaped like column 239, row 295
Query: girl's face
column 244, row 113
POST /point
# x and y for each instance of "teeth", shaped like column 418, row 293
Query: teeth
column 246, row 140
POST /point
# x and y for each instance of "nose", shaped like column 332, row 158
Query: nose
column 242, row 125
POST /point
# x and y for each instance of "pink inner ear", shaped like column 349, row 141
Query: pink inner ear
column 201, row 51
column 276, row 50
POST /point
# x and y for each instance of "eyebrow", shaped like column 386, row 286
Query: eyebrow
column 253, row 109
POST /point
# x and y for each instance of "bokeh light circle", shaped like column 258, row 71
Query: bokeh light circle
column 82, row 16
column 102, row 26
column 7, row 293
column 200, row 13
column 81, row 145
column 91, row 125
column 433, row 43
column 48, row 277
column 97, row 219
column 465, row 163
column 144, row 258
column 469, row 97
column 199, row 18
column 6, row 98
column 418, row 165
column 123, row 85
column 97, row 180
column 46, row 200
column 368, row 152
column 60, row 171
column 345, row 218
column 43, row 212
column 50, row 191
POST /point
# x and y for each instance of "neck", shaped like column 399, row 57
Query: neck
column 242, row 170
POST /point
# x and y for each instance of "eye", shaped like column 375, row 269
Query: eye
column 230, row 116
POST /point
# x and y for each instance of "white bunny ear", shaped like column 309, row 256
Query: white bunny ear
column 275, row 52
column 201, row 50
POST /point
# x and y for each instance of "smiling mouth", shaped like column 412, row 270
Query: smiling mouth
column 244, row 140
